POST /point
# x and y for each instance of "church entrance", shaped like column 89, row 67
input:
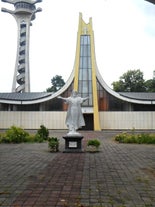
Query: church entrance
column 89, row 121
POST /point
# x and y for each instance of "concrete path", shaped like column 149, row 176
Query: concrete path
column 120, row 175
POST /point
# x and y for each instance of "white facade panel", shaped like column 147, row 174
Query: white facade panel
column 32, row 120
column 127, row 120
column 56, row 120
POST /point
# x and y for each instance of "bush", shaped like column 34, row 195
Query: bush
column 38, row 138
column 42, row 133
column 53, row 144
column 30, row 138
column 94, row 142
column 4, row 139
column 15, row 135
column 136, row 138
column 19, row 135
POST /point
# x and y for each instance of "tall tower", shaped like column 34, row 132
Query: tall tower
column 24, row 13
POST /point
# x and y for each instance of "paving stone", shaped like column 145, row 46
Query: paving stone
column 118, row 175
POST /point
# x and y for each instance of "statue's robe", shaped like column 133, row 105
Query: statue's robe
column 74, row 116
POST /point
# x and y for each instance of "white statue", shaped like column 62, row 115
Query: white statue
column 74, row 119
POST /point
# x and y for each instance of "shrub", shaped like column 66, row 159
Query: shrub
column 18, row 135
column 136, row 138
column 15, row 135
column 94, row 142
column 121, row 137
column 30, row 138
column 42, row 133
column 38, row 138
column 4, row 139
column 53, row 144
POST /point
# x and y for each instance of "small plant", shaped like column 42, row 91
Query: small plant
column 42, row 133
column 93, row 145
column 94, row 142
column 53, row 144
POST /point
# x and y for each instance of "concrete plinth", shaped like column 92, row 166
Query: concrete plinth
column 73, row 143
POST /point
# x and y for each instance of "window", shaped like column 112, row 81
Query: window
column 85, row 70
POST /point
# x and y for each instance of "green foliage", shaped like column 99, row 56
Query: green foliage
column 150, row 85
column 42, row 133
column 93, row 142
column 135, row 138
column 19, row 135
column 4, row 139
column 38, row 138
column 131, row 81
column 30, row 138
column 15, row 135
column 53, row 144
column 57, row 83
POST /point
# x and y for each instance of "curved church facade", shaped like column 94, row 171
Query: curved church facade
column 105, row 109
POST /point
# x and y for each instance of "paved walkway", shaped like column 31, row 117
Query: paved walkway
column 120, row 175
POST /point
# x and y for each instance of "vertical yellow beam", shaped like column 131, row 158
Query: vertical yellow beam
column 77, row 57
column 94, row 82
column 87, row 29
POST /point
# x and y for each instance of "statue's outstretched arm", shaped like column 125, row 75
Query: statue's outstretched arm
column 86, row 98
column 60, row 97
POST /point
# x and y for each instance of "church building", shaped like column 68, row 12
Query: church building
column 105, row 109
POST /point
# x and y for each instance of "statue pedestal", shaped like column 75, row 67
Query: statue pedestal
column 73, row 143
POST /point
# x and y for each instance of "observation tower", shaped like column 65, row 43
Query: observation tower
column 24, row 13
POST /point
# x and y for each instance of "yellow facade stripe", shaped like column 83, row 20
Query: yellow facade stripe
column 77, row 57
column 87, row 29
column 94, row 82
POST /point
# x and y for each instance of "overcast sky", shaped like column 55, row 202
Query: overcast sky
column 124, row 32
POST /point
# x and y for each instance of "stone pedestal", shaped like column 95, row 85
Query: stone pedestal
column 73, row 143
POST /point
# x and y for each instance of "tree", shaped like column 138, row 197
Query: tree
column 150, row 85
column 131, row 81
column 57, row 83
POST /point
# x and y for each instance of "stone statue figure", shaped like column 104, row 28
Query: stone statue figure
column 74, row 118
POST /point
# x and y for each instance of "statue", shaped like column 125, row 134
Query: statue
column 74, row 118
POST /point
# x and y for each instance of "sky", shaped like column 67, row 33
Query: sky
column 124, row 34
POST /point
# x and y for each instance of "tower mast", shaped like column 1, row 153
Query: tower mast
column 24, row 13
